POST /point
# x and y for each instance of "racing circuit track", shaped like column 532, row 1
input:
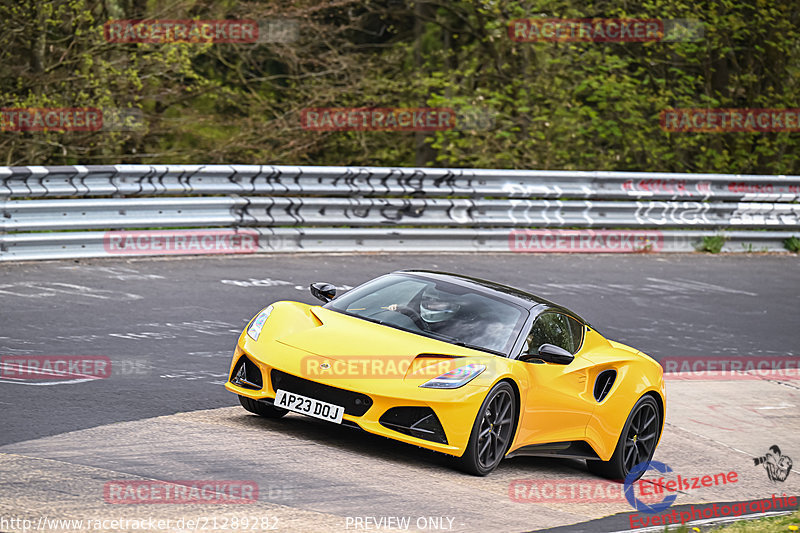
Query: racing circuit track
column 168, row 327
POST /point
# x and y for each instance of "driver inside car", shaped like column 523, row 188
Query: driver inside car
column 450, row 316
column 434, row 308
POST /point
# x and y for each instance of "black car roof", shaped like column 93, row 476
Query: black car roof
column 516, row 296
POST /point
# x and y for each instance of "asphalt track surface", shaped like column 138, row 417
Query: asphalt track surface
column 169, row 325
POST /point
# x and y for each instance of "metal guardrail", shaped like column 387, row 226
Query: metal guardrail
column 52, row 212
column 237, row 211
column 170, row 180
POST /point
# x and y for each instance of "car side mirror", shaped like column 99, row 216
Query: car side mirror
column 555, row 354
column 323, row 291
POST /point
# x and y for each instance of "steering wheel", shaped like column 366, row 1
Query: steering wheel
column 414, row 316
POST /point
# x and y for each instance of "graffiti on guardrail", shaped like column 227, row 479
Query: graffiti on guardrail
column 750, row 213
column 49, row 212
column 354, row 182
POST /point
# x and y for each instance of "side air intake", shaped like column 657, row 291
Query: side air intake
column 420, row 422
column 603, row 384
column 246, row 374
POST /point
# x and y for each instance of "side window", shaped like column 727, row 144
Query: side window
column 551, row 328
column 576, row 328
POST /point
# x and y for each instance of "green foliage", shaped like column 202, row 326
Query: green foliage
column 792, row 244
column 554, row 105
column 713, row 244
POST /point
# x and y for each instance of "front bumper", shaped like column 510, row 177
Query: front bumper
column 395, row 408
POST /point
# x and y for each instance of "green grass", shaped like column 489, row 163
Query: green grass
column 713, row 244
column 792, row 244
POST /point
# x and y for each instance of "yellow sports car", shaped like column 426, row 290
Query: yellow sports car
column 463, row 366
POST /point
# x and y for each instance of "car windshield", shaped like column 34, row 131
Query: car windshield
column 436, row 309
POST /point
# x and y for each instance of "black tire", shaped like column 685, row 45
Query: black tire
column 636, row 443
column 492, row 432
column 261, row 408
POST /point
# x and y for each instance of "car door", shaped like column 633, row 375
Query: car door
column 558, row 405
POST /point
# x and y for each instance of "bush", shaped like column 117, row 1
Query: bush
column 713, row 244
column 792, row 244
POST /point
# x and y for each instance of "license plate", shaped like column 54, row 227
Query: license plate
column 309, row 406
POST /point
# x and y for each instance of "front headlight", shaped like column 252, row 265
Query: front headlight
column 258, row 322
column 455, row 378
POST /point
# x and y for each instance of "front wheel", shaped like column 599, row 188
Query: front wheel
column 636, row 444
column 261, row 408
column 491, row 433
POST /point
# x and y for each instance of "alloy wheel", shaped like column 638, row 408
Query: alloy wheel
column 642, row 435
column 495, row 429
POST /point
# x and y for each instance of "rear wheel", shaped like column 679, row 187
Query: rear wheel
column 636, row 444
column 491, row 433
column 261, row 408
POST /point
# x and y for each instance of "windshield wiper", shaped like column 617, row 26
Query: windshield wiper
column 476, row 347
column 368, row 319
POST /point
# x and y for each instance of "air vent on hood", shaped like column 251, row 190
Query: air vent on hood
column 603, row 384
